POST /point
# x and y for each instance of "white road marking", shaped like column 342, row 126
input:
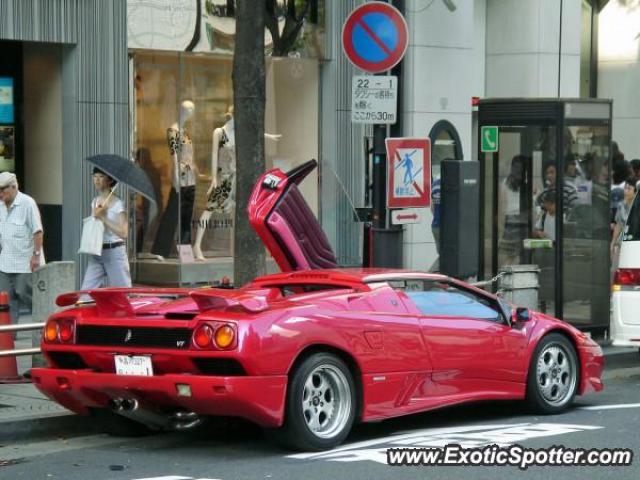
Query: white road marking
column 611, row 407
column 474, row 436
column 174, row 477
column 169, row 477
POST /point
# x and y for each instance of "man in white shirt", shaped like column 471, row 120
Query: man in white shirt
column 20, row 240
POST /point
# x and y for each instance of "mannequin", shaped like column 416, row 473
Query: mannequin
column 221, row 192
column 183, row 183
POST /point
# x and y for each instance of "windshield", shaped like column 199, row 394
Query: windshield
column 632, row 228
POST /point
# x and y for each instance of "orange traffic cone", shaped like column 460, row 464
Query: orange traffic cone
column 8, row 365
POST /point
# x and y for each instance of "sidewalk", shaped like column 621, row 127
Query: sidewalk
column 25, row 413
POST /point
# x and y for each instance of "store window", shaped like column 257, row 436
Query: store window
column 184, row 139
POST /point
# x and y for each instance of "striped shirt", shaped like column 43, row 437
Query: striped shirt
column 569, row 196
column 18, row 224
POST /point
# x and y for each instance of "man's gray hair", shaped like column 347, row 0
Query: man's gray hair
column 8, row 179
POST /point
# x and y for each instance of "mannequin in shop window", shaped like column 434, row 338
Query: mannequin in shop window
column 221, row 192
column 183, row 183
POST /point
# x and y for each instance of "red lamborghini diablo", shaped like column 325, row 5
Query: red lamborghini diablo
column 308, row 352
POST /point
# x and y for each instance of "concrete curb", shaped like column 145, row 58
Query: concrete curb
column 621, row 359
column 54, row 425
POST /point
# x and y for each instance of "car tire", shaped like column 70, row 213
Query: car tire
column 554, row 375
column 321, row 405
column 118, row 426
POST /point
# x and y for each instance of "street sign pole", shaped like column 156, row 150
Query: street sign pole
column 374, row 39
column 379, row 176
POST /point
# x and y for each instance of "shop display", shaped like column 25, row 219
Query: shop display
column 184, row 139
column 183, row 184
column 221, row 192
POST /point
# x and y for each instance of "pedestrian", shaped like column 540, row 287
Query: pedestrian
column 515, row 214
column 622, row 212
column 20, row 243
column 635, row 168
column 569, row 192
column 545, row 227
column 111, row 269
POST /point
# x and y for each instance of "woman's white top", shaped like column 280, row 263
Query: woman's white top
column 511, row 200
column 112, row 214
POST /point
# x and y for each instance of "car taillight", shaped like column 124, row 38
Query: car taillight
column 225, row 335
column 202, row 336
column 60, row 330
column 626, row 277
column 215, row 335
column 51, row 331
column 66, row 329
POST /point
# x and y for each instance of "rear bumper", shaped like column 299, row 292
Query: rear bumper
column 258, row 399
column 625, row 319
column 592, row 361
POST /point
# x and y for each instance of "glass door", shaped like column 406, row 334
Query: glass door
column 586, row 232
column 519, row 205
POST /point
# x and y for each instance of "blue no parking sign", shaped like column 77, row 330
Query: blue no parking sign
column 375, row 37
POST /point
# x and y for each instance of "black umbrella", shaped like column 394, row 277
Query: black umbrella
column 126, row 172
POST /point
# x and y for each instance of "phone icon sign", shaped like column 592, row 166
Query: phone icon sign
column 489, row 136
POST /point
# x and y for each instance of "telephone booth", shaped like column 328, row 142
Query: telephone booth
column 545, row 187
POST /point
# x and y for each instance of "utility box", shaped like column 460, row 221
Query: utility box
column 519, row 285
column 387, row 247
column 460, row 218
column 49, row 281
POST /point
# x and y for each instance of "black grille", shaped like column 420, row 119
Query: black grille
column 67, row 360
column 509, row 111
column 223, row 367
column 176, row 338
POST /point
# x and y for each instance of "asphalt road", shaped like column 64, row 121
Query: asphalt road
column 610, row 419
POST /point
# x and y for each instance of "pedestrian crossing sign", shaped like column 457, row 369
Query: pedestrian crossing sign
column 408, row 172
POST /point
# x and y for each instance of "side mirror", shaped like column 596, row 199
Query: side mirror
column 522, row 314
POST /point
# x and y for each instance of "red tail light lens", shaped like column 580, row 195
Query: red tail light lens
column 60, row 330
column 203, row 336
column 627, row 276
column 66, row 330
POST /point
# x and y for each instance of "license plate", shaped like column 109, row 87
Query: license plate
column 134, row 365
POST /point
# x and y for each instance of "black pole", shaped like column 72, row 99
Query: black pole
column 386, row 243
column 379, row 196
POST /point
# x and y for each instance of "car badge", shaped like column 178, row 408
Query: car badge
column 128, row 336
column 271, row 181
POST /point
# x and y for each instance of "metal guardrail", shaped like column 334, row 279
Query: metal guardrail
column 20, row 328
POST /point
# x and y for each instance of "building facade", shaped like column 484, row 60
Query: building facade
column 68, row 69
column 89, row 76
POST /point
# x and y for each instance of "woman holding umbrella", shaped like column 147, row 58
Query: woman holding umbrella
column 111, row 269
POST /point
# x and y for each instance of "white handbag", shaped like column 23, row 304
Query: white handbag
column 92, row 234
column 93, row 231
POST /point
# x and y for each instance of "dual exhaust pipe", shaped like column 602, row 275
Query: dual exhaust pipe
column 131, row 408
